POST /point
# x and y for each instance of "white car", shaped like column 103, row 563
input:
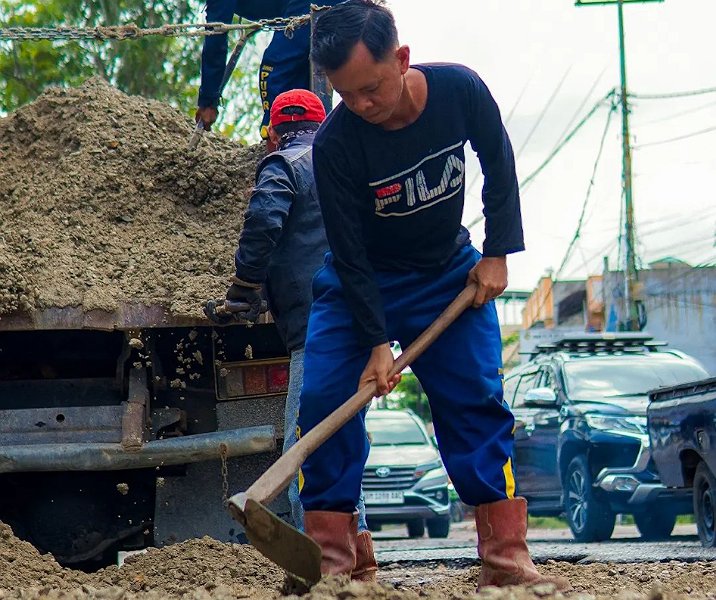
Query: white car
column 404, row 479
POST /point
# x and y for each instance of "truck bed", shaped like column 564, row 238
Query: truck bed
column 127, row 316
column 682, row 430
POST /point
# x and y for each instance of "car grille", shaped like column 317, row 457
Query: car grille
column 399, row 478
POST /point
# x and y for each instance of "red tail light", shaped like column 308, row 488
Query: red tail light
column 278, row 378
column 252, row 378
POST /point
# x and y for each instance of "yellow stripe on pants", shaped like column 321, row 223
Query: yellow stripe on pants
column 300, row 472
column 509, row 479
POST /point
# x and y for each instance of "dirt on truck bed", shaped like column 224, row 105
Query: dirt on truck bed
column 102, row 203
column 207, row 569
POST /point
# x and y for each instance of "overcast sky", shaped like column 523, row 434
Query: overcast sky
column 523, row 49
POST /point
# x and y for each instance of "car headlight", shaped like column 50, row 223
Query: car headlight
column 616, row 424
column 421, row 470
column 432, row 479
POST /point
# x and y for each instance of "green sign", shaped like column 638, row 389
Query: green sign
column 595, row 2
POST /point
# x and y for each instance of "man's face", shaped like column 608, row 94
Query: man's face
column 371, row 89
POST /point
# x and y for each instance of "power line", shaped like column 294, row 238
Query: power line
column 581, row 107
column 567, row 139
column 603, row 251
column 590, row 187
column 578, row 230
column 670, row 95
column 677, row 138
column 543, row 113
column 681, row 113
column 517, row 102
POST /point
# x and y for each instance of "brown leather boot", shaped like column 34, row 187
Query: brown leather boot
column 335, row 533
column 366, row 566
column 502, row 547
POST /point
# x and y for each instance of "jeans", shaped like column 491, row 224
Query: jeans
column 295, row 382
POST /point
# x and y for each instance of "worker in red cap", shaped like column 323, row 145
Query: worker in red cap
column 281, row 247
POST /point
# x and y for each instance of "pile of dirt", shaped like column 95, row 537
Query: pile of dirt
column 22, row 566
column 203, row 563
column 203, row 566
column 103, row 204
column 638, row 581
column 206, row 569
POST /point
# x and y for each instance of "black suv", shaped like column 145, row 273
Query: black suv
column 581, row 443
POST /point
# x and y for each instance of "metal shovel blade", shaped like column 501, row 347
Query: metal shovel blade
column 277, row 540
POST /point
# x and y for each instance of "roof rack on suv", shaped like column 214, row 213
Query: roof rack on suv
column 592, row 343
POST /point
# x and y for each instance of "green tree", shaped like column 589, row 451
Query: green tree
column 159, row 67
column 409, row 394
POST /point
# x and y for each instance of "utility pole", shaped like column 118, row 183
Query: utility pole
column 631, row 274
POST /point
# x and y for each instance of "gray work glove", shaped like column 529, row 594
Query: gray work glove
column 247, row 293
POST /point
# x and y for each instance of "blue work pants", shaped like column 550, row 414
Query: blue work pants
column 290, row 437
column 461, row 373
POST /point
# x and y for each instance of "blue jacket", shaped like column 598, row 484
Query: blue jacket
column 283, row 241
column 213, row 55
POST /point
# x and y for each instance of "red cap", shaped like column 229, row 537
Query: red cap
column 287, row 107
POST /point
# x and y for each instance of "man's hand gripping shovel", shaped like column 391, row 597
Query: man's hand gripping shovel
column 274, row 538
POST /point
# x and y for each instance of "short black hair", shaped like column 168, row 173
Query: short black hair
column 295, row 126
column 340, row 28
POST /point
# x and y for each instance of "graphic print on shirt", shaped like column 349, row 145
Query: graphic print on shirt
column 435, row 178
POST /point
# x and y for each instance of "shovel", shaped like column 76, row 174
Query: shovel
column 274, row 538
column 228, row 70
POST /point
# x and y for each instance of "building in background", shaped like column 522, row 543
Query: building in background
column 678, row 305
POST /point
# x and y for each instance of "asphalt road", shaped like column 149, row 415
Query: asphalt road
column 393, row 546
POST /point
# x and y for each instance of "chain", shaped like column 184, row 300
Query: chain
column 223, row 454
column 131, row 31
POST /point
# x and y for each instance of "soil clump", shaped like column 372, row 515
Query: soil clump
column 103, row 204
column 206, row 569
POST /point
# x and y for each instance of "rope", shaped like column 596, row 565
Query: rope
column 131, row 31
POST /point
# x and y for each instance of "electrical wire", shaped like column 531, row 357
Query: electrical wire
column 670, row 95
column 581, row 107
column 517, row 102
column 677, row 138
column 543, row 113
column 681, row 113
column 469, row 188
column 567, row 139
column 605, row 250
column 590, row 187
column 580, row 223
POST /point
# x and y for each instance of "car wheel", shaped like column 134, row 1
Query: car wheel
column 416, row 528
column 456, row 512
column 705, row 505
column 439, row 528
column 589, row 518
column 373, row 526
column 655, row 524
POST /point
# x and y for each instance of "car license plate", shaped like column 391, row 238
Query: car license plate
column 383, row 497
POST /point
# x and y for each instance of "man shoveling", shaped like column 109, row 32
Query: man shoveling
column 389, row 164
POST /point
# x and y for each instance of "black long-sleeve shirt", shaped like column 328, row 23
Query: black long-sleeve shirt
column 393, row 200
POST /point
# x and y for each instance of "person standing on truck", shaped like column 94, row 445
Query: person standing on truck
column 389, row 164
column 282, row 245
column 285, row 64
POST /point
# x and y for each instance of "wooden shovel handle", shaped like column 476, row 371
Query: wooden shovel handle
column 280, row 474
